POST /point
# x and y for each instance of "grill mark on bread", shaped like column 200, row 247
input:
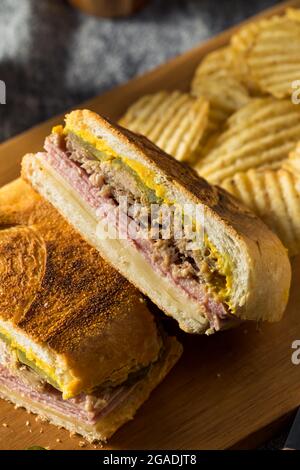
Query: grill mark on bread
column 22, row 267
column 80, row 295
column 66, row 282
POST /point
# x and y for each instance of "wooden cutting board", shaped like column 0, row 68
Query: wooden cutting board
column 235, row 389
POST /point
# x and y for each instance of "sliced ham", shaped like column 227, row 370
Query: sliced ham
column 88, row 409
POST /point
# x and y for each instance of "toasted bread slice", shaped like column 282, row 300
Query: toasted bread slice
column 75, row 318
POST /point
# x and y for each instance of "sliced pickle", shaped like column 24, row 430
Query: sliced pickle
column 24, row 360
column 103, row 157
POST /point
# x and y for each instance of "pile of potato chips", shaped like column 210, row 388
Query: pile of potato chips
column 239, row 126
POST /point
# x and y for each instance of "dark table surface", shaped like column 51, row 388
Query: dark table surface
column 53, row 57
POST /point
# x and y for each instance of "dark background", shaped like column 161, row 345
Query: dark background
column 53, row 57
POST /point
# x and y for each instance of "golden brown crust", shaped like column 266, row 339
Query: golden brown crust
column 72, row 300
column 22, row 267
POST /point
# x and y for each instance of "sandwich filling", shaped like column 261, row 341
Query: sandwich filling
column 102, row 178
column 87, row 408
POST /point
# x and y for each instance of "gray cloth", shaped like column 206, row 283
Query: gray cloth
column 53, row 57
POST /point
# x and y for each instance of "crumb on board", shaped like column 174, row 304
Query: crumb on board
column 58, row 440
column 41, row 419
column 82, row 444
column 27, row 423
column 5, row 425
column 98, row 445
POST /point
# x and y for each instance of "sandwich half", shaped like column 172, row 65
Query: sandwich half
column 78, row 345
column 236, row 270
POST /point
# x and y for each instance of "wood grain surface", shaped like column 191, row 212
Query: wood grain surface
column 234, row 389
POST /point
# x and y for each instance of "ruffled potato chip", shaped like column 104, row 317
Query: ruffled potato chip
column 292, row 164
column 275, row 197
column 274, row 60
column 268, row 53
column 216, row 63
column 225, row 95
column 174, row 121
column 259, row 135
